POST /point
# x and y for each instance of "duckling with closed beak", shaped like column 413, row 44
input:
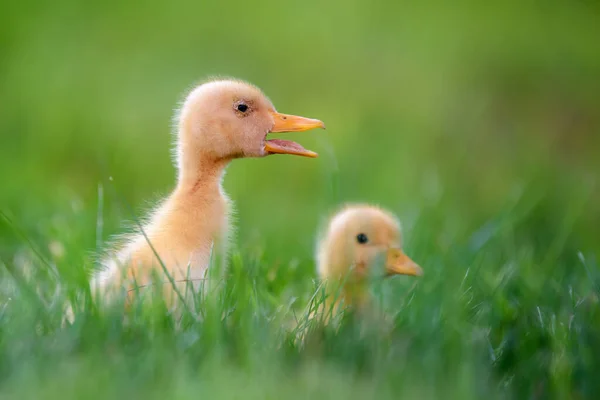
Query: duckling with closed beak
column 354, row 239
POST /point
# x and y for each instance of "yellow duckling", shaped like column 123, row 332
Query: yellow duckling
column 219, row 121
column 354, row 239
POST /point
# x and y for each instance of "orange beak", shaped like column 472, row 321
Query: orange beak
column 291, row 123
column 398, row 263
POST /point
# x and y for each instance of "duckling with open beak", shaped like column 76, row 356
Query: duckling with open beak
column 219, row 121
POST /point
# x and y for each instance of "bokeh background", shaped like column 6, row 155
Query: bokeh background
column 468, row 101
column 475, row 122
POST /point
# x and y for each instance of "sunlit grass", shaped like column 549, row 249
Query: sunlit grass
column 484, row 320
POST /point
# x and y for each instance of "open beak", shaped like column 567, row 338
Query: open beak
column 291, row 123
column 398, row 263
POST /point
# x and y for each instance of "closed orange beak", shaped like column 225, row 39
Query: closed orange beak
column 398, row 263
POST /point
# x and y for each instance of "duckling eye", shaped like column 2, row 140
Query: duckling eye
column 362, row 238
column 242, row 107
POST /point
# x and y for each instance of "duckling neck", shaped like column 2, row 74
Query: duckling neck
column 200, row 176
column 351, row 294
column 355, row 294
column 200, row 205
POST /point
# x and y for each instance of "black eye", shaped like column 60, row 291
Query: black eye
column 242, row 107
column 362, row 238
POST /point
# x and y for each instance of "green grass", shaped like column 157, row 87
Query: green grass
column 477, row 125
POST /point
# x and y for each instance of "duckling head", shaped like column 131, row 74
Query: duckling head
column 228, row 119
column 356, row 238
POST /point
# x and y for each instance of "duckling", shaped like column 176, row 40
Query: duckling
column 219, row 121
column 354, row 239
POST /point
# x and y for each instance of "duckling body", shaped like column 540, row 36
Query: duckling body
column 182, row 232
column 219, row 121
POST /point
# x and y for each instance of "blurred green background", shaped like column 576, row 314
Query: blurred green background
column 477, row 123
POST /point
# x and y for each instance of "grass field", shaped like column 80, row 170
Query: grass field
column 478, row 125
